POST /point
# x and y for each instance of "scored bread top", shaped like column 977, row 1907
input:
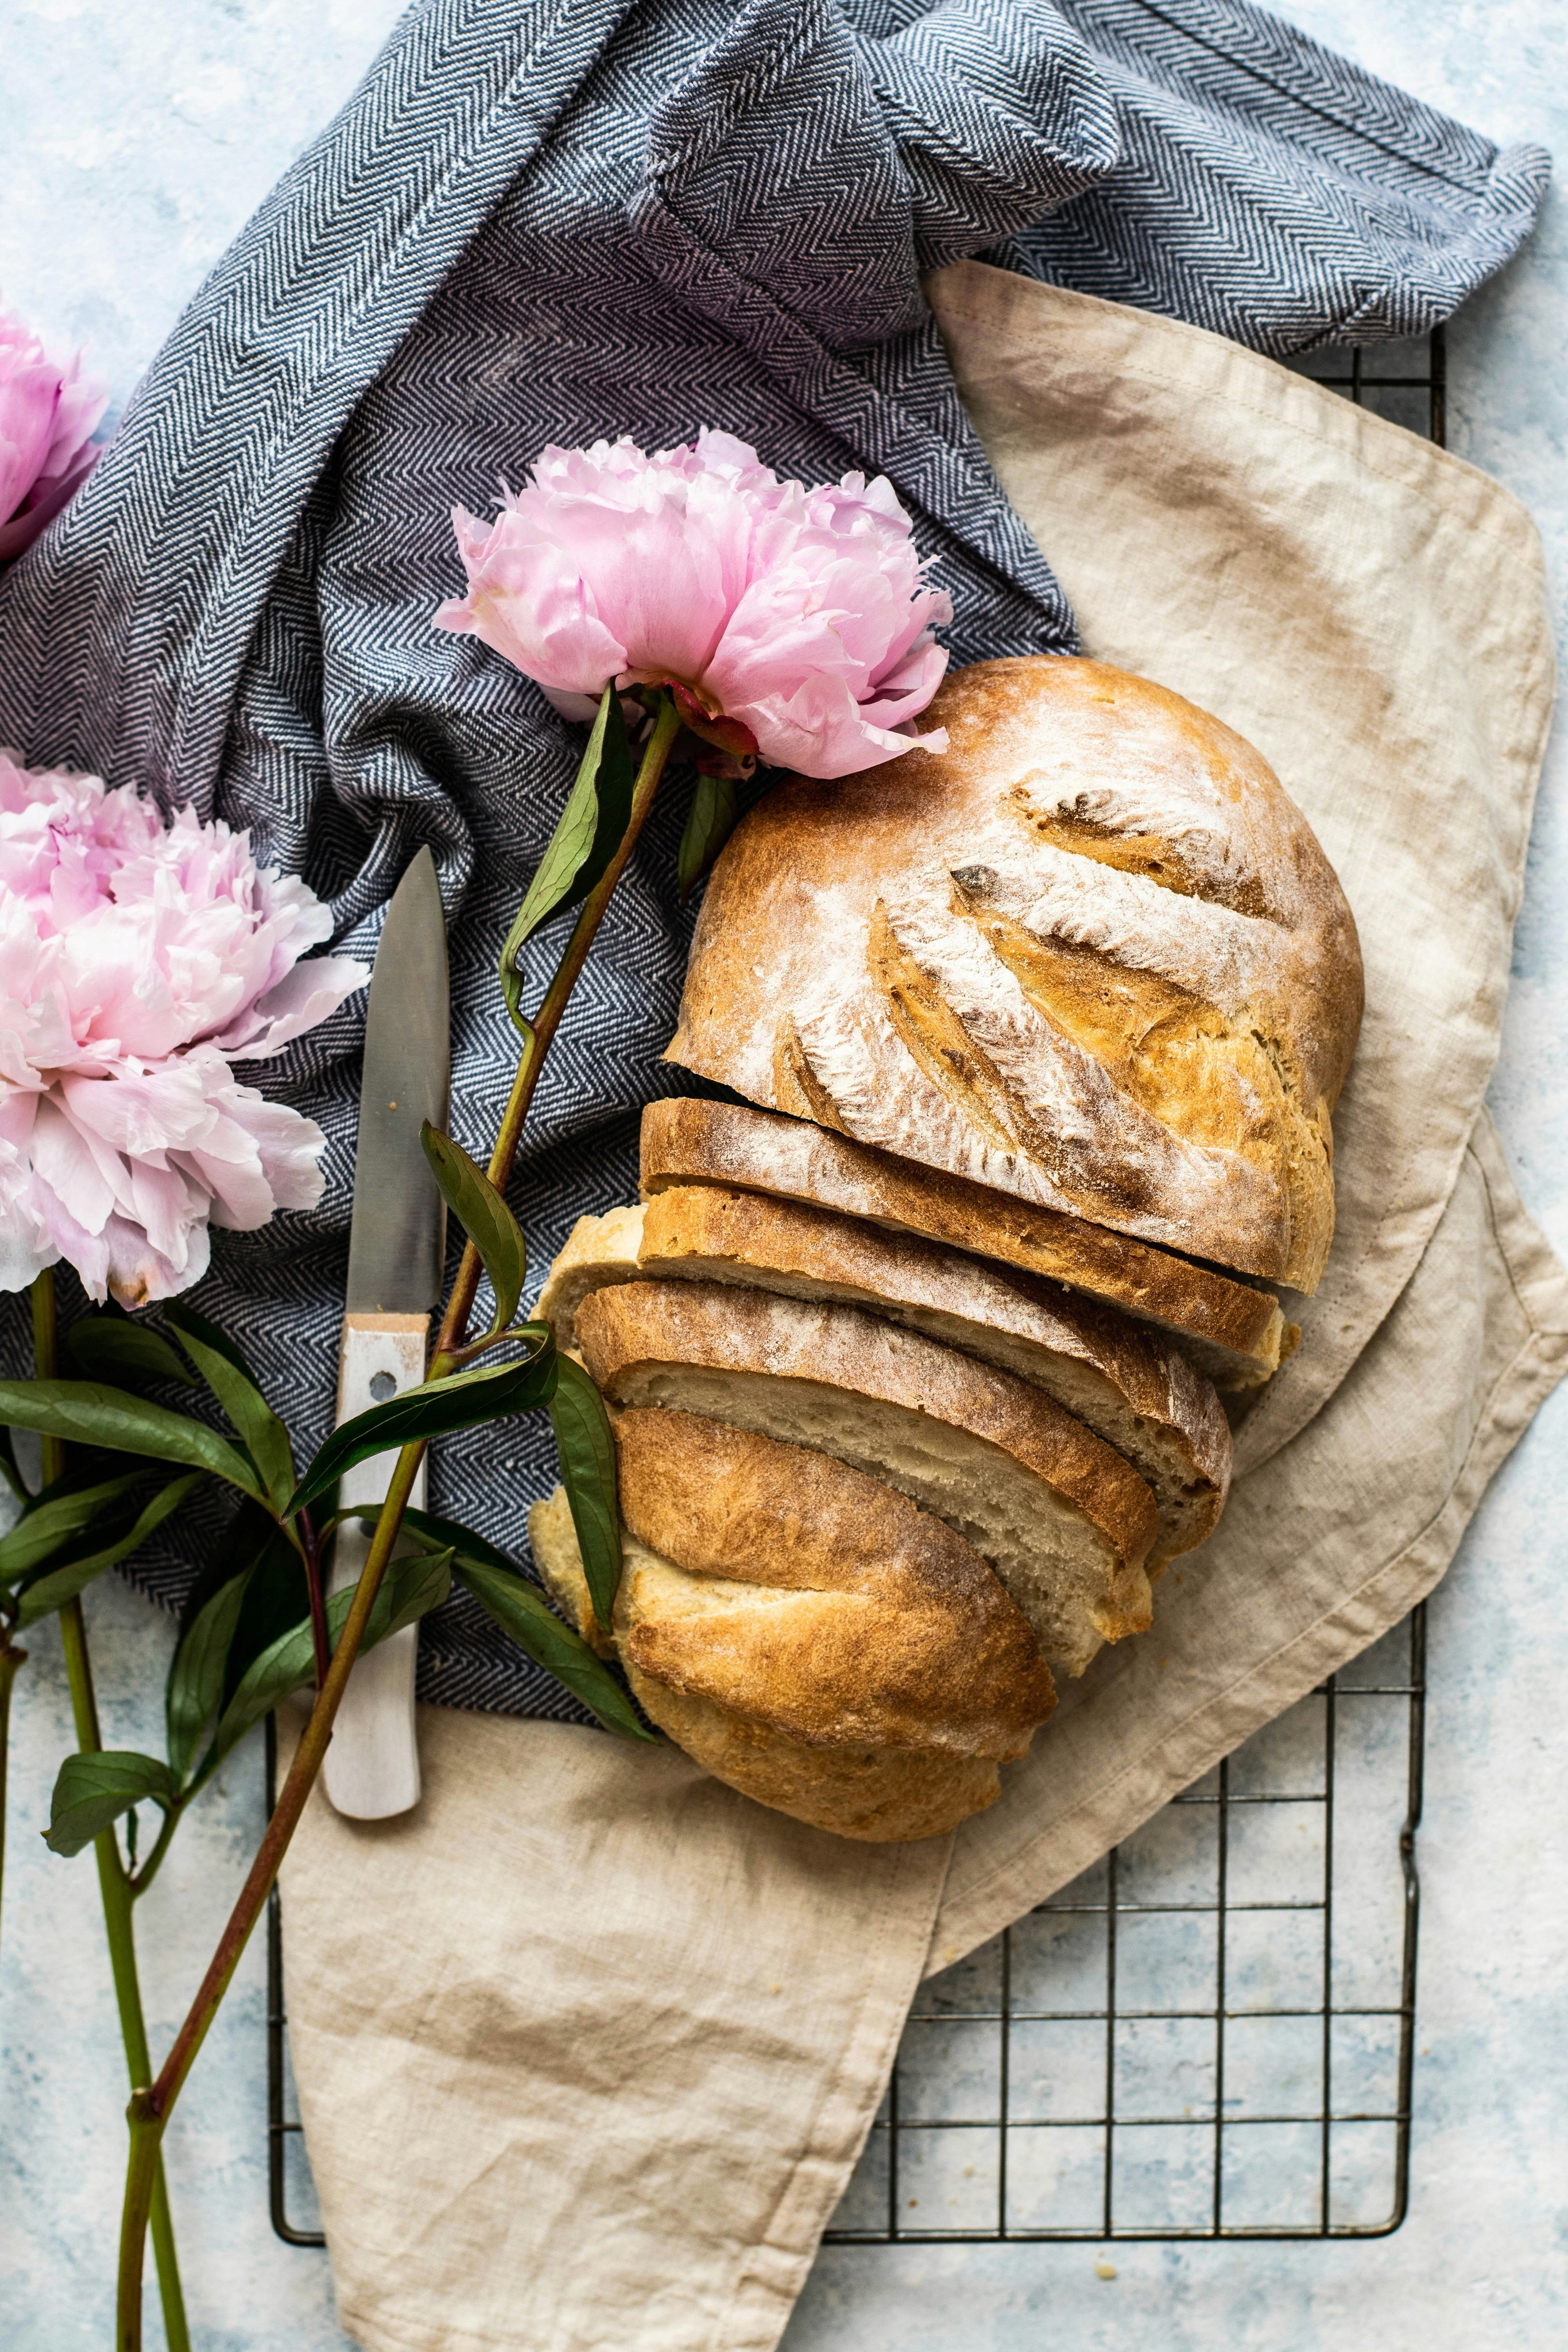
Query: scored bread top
column 1094, row 957
column 1064, row 1520
column 1135, row 1390
column 1231, row 1331
column 803, row 1593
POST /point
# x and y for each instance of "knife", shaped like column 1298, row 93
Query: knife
column 397, row 1244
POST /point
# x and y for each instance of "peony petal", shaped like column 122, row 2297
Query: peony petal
column 304, row 997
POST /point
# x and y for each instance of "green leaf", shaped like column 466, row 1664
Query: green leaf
column 521, row 1610
column 586, row 1454
column 62, row 1583
column 485, row 1216
column 710, row 821
column 85, row 1413
column 92, row 1792
column 113, row 1347
column 589, row 834
column 195, row 1685
column 252, row 1418
column 595, row 817
column 11, row 1470
column 446, row 1535
column 433, row 1410
column 55, row 1518
column 412, row 1585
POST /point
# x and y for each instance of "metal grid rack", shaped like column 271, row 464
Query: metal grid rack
column 1212, row 2033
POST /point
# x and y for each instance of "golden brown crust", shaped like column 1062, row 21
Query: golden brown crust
column 740, row 1330
column 1232, row 1331
column 1070, row 1523
column 882, row 1627
column 882, row 1796
column 1136, row 1391
column 858, row 1790
column 1094, row 957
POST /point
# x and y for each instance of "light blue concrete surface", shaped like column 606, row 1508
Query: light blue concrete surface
column 134, row 145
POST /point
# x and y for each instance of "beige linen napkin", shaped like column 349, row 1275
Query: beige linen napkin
column 587, row 2046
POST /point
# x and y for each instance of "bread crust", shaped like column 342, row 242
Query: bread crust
column 835, row 1357
column 1232, row 1332
column 886, row 1795
column 829, row 1606
column 1094, row 957
column 1136, row 1391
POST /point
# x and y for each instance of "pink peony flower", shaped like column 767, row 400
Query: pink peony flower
column 47, row 412
column 795, row 614
column 137, row 960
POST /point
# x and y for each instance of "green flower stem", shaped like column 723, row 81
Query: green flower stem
column 12, row 1661
column 541, row 1031
column 114, row 1886
column 151, row 2108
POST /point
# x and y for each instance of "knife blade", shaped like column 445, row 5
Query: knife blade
column 397, row 1241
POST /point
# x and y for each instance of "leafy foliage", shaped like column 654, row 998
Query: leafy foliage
column 111, row 1347
column 485, row 1217
column 435, row 1408
column 597, row 812
column 52, row 1519
column 64, row 1580
column 87, row 1413
column 710, row 821
column 250, row 1416
column 92, row 1792
column 412, row 1585
column 586, row 1454
column 521, row 1610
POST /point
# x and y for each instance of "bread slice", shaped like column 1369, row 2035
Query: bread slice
column 859, row 1791
column 1230, row 1331
column 1066, row 1523
column 1135, row 1390
column 823, row 1602
column 597, row 1250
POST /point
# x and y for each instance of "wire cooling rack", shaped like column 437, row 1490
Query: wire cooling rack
column 1212, row 2033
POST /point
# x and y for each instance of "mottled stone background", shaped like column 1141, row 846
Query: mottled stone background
column 133, row 144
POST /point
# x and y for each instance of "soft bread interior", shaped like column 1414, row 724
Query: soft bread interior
column 597, row 1250
column 1130, row 1389
column 1058, row 1566
column 1185, row 1456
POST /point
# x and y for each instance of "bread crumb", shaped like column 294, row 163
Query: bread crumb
column 1102, row 2268
column 778, row 1987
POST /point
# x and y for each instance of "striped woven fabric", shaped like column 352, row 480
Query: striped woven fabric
column 556, row 219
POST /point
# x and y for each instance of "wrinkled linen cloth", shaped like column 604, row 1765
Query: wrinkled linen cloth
column 539, row 222
column 587, row 2046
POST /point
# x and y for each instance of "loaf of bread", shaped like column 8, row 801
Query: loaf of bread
column 1232, row 1332
column 1067, row 1524
column 809, row 1636
column 1131, row 1388
column 1093, row 958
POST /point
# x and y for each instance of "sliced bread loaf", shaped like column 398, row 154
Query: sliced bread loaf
column 1231, row 1332
column 1133, row 1388
column 1066, row 1523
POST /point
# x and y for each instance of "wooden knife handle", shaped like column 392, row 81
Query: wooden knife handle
column 371, row 1766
